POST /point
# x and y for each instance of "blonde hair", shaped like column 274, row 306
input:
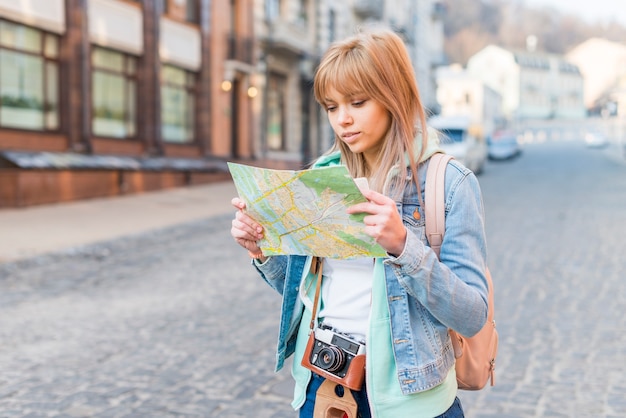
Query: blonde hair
column 376, row 63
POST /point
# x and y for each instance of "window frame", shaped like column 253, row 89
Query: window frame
column 277, row 82
column 190, row 94
column 129, row 75
column 192, row 11
column 47, row 60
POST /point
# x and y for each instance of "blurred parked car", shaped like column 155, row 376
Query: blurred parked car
column 595, row 140
column 462, row 139
column 503, row 145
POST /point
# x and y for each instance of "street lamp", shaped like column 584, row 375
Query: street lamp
column 226, row 85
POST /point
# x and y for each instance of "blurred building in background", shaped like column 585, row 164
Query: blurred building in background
column 462, row 94
column 533, row 85
column 603, row 64
column 107, row 97
column 292, row 36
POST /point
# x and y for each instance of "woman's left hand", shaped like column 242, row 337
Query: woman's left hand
column 383, row 222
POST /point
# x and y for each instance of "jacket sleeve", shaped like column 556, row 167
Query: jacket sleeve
column 454, row 290
column 273, row 271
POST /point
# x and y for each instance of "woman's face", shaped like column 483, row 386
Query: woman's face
column 359, row 121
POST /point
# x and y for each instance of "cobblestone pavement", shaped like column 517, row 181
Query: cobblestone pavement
column 556, row 221
column 174, row 322
column 166, row 324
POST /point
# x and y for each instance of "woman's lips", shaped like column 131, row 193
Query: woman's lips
column 349, row 136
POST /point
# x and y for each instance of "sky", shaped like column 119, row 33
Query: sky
column 590, row 10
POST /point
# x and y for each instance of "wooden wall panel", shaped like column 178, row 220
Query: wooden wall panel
column 32, row 141
column 175, row 150
column 117, row 147
column 21, row 188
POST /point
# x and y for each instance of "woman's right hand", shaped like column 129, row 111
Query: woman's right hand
column 245, row 230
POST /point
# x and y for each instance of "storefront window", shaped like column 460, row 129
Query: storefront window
column 29, row 78
column 114, row 93
column 177, row 104
column 275, row 112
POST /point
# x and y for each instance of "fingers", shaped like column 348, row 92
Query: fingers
column 251, row 246
column 374, row 209
column 245, row 236
column 244, row 229
column 376, row 197
column 242, row 221
column 388, row 231
column 238, row 203
column 382, row 221
column 376, row 203
column 364, row 207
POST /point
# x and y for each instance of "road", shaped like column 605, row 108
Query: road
column 556, row 222
column 175, row 323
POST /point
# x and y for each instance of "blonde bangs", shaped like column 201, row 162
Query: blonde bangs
column 346, row 74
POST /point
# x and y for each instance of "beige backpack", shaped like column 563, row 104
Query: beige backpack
column 475, row 356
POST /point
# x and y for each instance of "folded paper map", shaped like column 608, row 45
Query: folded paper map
column 304, row 212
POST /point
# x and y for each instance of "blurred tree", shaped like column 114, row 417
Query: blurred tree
column 470, row 25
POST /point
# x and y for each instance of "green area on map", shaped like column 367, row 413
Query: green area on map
column 304, row 212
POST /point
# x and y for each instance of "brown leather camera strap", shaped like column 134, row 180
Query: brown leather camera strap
column 329, row 403
column 316, row 267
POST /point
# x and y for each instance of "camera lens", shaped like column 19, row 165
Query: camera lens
column 330, row 359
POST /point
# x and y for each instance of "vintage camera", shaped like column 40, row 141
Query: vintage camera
column 335, row 356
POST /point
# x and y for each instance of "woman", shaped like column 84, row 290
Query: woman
column 401, row 306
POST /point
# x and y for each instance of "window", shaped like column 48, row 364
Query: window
column 187, row 10
column 302, row 17
column 272, row 10
column 275, row 112
column 177, row 104
column 192, row 13
column 29, row 78
column 114, row 88
column 453, row 135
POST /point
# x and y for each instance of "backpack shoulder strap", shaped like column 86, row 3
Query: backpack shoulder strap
column 435, row 200
column 436, row 217
column 475, row 356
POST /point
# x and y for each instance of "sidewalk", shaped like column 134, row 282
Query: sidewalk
column 40, row 229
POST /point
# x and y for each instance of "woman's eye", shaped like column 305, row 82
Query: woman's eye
column 330, row 108
column 358, row 103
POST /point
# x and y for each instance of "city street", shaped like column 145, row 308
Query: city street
column 176, row 323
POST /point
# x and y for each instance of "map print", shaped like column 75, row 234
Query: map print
column 304, row 212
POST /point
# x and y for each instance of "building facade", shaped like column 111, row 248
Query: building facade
column 292, row 35
column 603, row 65
column 461, row 94
column 532, row 85
column 107, row 97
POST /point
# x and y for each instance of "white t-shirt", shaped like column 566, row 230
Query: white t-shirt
column 347, row 295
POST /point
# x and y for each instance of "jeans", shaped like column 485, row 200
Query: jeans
column 306, row 411
column 455, row 411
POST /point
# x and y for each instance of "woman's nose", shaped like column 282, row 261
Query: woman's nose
column 344, row 116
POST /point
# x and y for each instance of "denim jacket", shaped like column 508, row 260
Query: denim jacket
column 424, row 296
